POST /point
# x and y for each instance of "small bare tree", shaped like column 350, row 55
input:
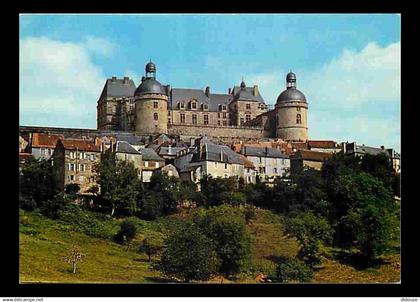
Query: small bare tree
column 74, row 257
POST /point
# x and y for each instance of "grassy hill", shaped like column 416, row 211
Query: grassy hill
column 44, row 242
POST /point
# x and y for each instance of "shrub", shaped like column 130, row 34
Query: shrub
column 126, row 233
column 291, row 269
column 151, row 246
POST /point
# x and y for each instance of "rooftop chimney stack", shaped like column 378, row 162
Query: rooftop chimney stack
column 207, row 91
column 126, row 79
column 255, row 90
column 229, row 91
column 114, row 78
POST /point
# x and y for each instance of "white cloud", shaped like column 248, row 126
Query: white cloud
column 99, row 45
column 58, row 78
column 355, row 96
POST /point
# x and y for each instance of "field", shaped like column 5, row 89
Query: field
column 44, row 242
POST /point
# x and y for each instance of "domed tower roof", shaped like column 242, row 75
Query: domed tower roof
column 291, row 93
column 150, row 67
column 149, row 84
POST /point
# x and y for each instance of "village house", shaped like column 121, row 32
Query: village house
column 324, row 146
column 151, row 161
column 304, row 159
column 269, row 163
column 125, row 152
column 42, row 145
column 73, row 161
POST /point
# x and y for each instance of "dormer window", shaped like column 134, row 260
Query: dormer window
column 205, row 107
column 181, row 105
column 248, row 106
column 223, row 107
column 193, row 105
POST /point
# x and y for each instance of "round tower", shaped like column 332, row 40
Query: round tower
column 151, row 104
column 292, row 113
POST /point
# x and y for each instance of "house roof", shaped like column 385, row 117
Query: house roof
column 213, row 152
column 213, row 100
column 124, row 147
column 247, row 94
column 44, row 140
column 131, row 139
column 370, row 150
column 169, row 150
column 263, row 152
column 322, row 144
column 118, row 88
column 247, row 162
column 81, row 145
column 150, row 154
column 312, row 155
column 299, row 145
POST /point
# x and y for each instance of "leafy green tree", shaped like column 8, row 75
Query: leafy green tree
column 217, row 191
column 189, row 255
column 366, row 213
column 52, row 207
column 292, row 269
column 121, row 189
column 226, row 227
column 72, row 189
column 36, row 185
column 311, row 231
column 167, row 191
column 379, row 166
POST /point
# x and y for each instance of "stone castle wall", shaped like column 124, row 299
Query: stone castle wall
column 211, row 131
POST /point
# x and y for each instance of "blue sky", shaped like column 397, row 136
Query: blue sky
column 348, row 66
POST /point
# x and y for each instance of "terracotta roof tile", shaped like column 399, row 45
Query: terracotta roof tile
column 82, row 145
column 313, row 155
column 322, row 144
column 45, row 140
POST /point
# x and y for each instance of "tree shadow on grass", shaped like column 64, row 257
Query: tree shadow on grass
column 275, row 259
column 357, row 260
column 161, row 280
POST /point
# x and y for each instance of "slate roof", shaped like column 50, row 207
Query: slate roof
column 131, row 139
column 117, row 88
column 214, row 152
column 150, row 154
column 291, row 94
column 44, row 140
column 247, row 94
column 263, row 152
column 124, row 147
column 174, row 150
column 182, row 95
column 370, row 150
column 81, row 145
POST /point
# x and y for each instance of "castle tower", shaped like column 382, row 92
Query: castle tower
column 291, row 113
column 151, row 104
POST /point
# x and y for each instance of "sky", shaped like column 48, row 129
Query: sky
column 347, row 65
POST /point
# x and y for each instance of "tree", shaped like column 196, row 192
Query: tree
column 189, row 255
column 292, row 269
column 167, row 191
column 121, row 189
column 310, row 231
column 74, row 257
column 126, row 233
column 72, row 189
column 225, row 225
column 36, row 185
column 379, row 166
column 365, row 213
column 217, row 191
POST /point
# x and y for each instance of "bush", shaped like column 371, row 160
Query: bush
column 189, row 255
column 249, row 212
column 291, row 269
column 151, row 246
column 126, row 233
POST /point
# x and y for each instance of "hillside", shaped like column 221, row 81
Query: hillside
column 44, row 242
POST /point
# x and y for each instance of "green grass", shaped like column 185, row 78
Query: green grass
column 44, row 242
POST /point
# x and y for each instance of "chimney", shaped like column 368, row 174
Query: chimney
column 229, row 91
column 255, row 90
column 168, row 90
column 169, row 149
column 114, row 78
column 126, row 79
column 382, row 147
column 143, row 78
column 207, row 91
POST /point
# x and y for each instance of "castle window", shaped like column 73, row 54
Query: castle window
column 248, row 117
column 248, row 106
column 206, row 119
column 224, row 123
column 298, row 108
column 155, row 105
column 182, row 117
column 205, row 107
column 169, row 120
column 298, row 119
column 224, row 114
column 218, row 114
column 218, row 122
column 194, row 119
column 181, row 105
column 155, row 116
column 223, row 107
column 242, row 120
column 193, row 105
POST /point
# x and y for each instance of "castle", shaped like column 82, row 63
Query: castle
column 153, row 108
